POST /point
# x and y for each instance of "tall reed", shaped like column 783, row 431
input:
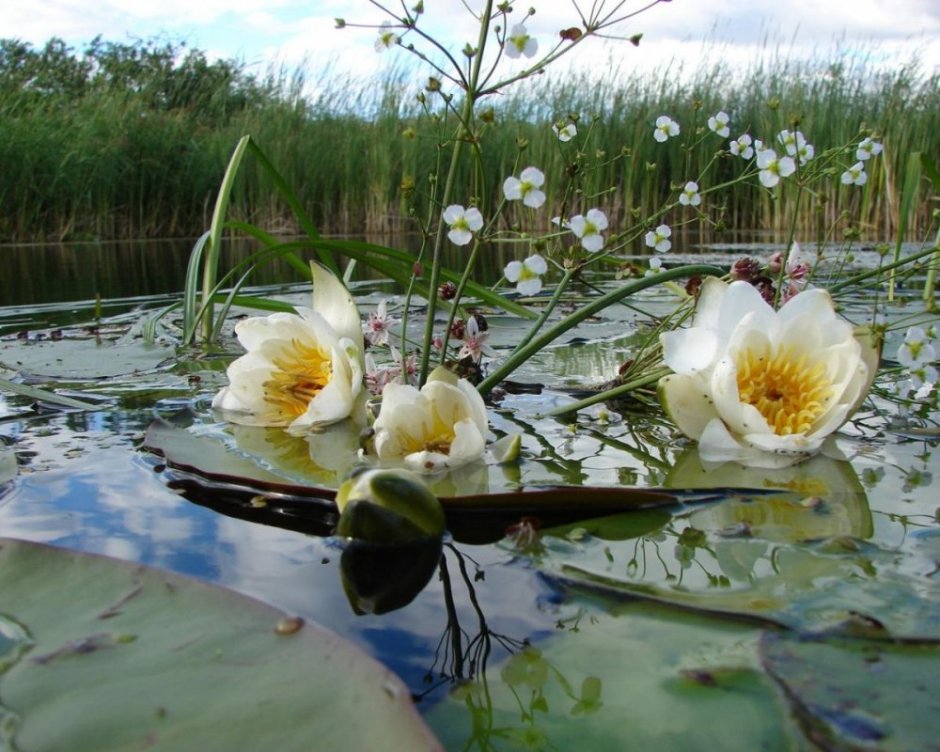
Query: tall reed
column 112, row 162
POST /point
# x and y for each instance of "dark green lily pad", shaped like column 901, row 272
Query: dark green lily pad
column 316, row 464
column 855, row 694
column 121, row 656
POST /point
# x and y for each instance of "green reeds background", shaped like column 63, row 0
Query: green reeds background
column 131, row 141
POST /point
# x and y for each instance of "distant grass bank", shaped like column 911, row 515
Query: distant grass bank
column 126, row 141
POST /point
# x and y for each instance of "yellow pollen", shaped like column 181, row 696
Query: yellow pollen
column 301, row 372
column 436, row 437
column 789, row 392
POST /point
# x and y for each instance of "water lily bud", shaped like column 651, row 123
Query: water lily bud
column 388, row 506
column 458, row 329
column 434, row 84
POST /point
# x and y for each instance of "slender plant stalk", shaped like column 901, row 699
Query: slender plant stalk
column 521, row 354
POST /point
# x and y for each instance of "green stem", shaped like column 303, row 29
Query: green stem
column 650, row 378
column 521, row 354
column 464, row 126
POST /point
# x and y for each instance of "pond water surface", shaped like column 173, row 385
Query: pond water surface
column 758, row 610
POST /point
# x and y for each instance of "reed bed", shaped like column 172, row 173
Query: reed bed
column 85, row 158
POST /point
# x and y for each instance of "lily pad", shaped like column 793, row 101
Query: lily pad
column 121, row 656
column 855, row 694
column 261, row 460
column 81, row 358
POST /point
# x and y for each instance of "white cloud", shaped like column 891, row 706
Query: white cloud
column 285, row 33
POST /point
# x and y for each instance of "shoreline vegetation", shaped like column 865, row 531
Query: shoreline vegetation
column 122, row 141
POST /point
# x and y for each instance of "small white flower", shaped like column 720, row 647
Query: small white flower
column 527, row 187
column 520, row 43
column 387, row 38
column 796, row 145
column 565, row 131
column 656, row 266
column 588, row 229
column 867, row 149
column 690, row 195
column 658, row 239
column 666, row 128
column 741, row 146
column 719, row 124
column 855, row 175
column 772, row 168
column 527, row 274
column 916, row 350
column 463, row 223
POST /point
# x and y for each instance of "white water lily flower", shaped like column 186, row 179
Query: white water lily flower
column 301, row 370
column 527, row 274
column 772, row 168
column 440, row 426
column 665, row 128
column 855, row 175
column 463, row 223
column 589, row 228
column 519, row 43
column 689, row 196
column 658, row 239
column 759, row 387
column 719, row 124
column 526, row 187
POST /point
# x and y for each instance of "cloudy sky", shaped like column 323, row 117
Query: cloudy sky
column 294, row 32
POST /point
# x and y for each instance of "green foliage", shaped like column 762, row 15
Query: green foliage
column 132, row 140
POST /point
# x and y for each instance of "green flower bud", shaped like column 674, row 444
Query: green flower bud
column 388, row 506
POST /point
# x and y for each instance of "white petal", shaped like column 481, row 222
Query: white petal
column 686, row 351
column 536, row 264
column 513, row 271
column 512, row 188
column 686, row 401
column 474, row 218
column 468, row 444
column 530, row 287
column 534, row 198
column 460, row 237
column 534, row 176
column 598, row 219
column 333, row 302
column 452, row 213
column 592, row 243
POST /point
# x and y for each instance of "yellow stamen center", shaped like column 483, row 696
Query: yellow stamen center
column 302, row 371
column 436, row 437
column 789, row 392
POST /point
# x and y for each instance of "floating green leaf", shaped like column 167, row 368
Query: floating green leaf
column 126, row 657
column 854, row 694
